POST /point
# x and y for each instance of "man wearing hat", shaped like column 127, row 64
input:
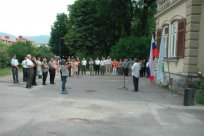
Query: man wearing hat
column 14, row 65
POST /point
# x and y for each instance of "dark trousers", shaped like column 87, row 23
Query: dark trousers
column 78, row 69
column 103, row 68
column 126, row 70
column 34, row 77
column 25, row 74
column 52, row 76
column 70, row 71
column 97, row 69
column 142, row 72
column 15, row 74
column 135, row 83
column 83, row 71
column 29, row 74
column 44, row 74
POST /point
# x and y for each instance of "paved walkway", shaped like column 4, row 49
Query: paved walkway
column 96, row 106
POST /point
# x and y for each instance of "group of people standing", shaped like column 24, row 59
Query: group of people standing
column 95, row 67
column 33, row 67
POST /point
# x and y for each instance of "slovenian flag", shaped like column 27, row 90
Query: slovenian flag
column 153, row 53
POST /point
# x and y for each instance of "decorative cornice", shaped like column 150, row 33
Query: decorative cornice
column 169, row 7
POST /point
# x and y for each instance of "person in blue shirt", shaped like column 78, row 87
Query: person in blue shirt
column 125, row 67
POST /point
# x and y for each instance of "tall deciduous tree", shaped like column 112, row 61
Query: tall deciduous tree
column 95, row 26
column 58, row 31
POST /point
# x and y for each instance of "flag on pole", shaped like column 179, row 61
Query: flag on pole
column 153, row 53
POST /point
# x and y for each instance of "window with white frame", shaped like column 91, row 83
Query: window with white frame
column 166, row 36
column 174, row 31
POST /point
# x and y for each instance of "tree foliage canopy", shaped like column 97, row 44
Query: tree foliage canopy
column 58, row 31
column 21, row 49
column 94, row 27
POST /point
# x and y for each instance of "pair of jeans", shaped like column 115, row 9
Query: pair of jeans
column 64, row 80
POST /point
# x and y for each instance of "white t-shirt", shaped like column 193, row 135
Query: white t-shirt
column 24, row 64
column 14, row 62
column 83, row 62
column 97, row 62
column 102, row 63
column 29, row 63
column 136, row 70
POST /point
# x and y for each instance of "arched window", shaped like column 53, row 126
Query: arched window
column 174, row 33
column 166, row 39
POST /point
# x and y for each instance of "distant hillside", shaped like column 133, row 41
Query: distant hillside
column 13, row 37
column 41, row 39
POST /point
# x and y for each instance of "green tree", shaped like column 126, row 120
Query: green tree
column 58, row 32
column 143, row 22
column 4, row 57
column 96, row 25
column 93, row 27
column 21, row 49
column 131, row 47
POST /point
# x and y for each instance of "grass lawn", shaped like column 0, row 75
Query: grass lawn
column 5, row 71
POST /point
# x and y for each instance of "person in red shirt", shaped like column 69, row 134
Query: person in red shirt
column 114, row 66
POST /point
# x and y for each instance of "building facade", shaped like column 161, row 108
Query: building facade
column 6, row 39
column 181, row 22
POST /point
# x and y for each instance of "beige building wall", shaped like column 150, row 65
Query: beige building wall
column 201, row 42
column 176, row 12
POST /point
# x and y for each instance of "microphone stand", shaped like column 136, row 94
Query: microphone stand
column 124, row 87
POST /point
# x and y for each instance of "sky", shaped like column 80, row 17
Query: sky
column 30, row 17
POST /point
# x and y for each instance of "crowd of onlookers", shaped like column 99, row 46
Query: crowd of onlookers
column 36, row 67
column 103, row 66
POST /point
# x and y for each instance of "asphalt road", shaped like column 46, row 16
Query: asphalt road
column 96, row 106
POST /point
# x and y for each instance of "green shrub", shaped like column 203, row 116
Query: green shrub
column 4, row 57
column 200, row 97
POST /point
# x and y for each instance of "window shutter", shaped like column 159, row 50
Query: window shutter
column 181, row 38
column 159, row 35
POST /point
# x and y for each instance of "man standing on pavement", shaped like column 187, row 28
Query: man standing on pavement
column 65, row 74
column 136, row 74
column 30, row 71
column 51, row 71
column 83, row 63
column 35, row 71
column 91, row 66
column 97, row 66
column 108, row 65
column 24, row 69
column 14, row 65
column 125, row 67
